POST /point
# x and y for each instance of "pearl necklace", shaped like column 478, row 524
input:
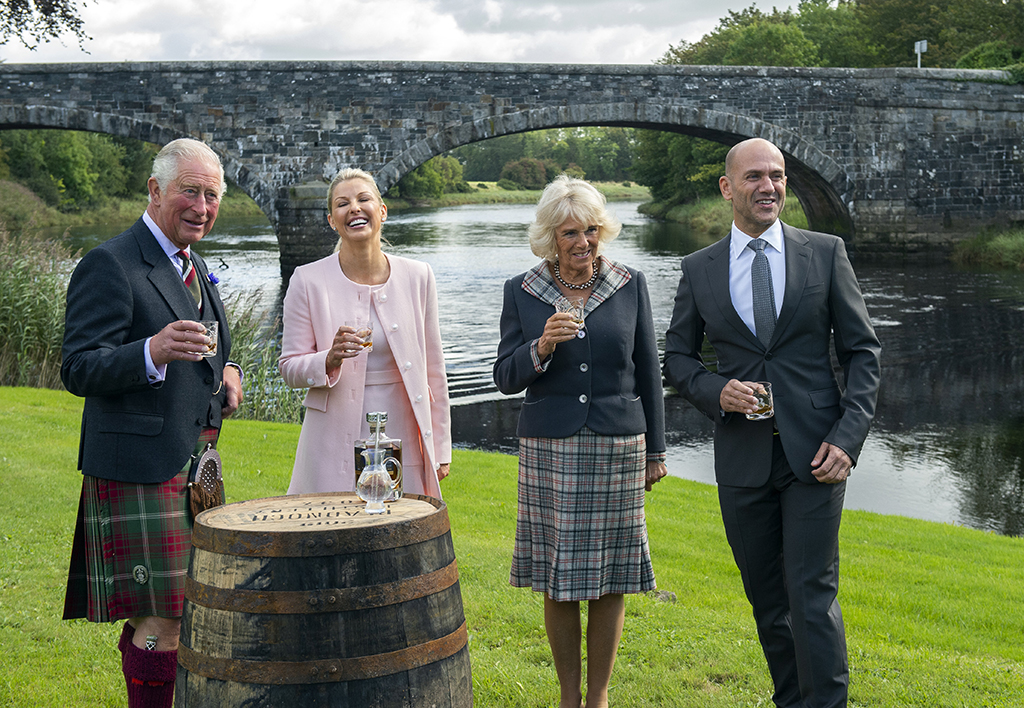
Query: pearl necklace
column 584, row 286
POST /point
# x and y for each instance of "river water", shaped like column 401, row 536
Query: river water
column 947, row 443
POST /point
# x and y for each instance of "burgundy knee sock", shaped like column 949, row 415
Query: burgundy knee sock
column 127, row 633
column 149, row 676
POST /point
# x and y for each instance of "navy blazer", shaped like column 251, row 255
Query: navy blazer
column 122, row 292
column 609, row 380
column 822, row 306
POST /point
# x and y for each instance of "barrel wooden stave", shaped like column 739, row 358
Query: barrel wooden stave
column 325, row 629
column 442, row 683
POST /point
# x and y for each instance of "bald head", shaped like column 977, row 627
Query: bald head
column 748, row 147
column 755, row 183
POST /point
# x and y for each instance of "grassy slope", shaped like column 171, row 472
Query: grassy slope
column 932, row 610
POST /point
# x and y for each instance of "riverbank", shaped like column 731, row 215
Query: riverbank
column 491, row 193
column 929, row 607
column 992, row 250
column 713, row 217
column 20, row 209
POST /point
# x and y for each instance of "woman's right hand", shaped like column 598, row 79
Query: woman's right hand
column 345, row 346
column 559, row 328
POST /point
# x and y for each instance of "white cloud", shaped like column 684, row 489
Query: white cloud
column 566, row 31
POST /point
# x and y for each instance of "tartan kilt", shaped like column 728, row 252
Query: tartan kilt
column 581, row 532
column 131, row 549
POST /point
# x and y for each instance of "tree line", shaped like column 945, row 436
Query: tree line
column 524, row 161
column 970, row 34
column 72, row 170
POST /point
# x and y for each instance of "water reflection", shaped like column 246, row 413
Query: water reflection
column 948, row 440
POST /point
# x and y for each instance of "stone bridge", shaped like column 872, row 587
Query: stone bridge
column 897, row 161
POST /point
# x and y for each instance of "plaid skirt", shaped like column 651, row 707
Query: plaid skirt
column 131, row 548
column 581, row 532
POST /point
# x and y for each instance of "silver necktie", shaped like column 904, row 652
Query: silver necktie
column 763, row 292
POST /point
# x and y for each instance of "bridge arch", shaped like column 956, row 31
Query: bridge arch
column 35, row 117
column 901, row 161
column 818, row 181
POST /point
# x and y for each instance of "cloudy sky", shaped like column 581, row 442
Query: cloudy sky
column 563, row 31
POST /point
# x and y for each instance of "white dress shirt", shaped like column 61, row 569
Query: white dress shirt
column 741, row 257
column 155, row 374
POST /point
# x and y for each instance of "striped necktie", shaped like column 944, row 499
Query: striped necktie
column 763, row 292
column 188, row 274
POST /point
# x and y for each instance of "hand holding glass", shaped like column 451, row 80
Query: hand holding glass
column 363, row 330
column 765, row 404
column 211, row 332
column 574, row 306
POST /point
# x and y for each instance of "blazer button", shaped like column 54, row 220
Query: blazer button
column 408, row 365
column 383, row 297
column 419, row 398
column 768, row 356
column 209, row 380
column 310, row 381
column 583, row 398
column 426, row 434
column 584, row 368
column 394, row 327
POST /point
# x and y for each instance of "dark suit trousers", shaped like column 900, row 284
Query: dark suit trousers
column 785, row 539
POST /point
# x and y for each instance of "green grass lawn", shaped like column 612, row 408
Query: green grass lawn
column 933, row 612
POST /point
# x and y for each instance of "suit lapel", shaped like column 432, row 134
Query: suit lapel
column 717, row 270
column 798, row 261
column 163, row 276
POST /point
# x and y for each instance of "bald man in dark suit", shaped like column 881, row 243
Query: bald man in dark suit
column 782, row 480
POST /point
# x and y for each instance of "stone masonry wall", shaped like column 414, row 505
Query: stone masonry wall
column 897, row 160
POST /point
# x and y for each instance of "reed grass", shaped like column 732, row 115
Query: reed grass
column 255, row 347
column 991, row 249
column 932, row 610
column 34, row 274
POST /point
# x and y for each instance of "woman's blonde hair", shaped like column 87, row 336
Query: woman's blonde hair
column 345, row 175
column 569, row 198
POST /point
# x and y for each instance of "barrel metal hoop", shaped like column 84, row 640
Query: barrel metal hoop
column 323, row 671
column 288, row 602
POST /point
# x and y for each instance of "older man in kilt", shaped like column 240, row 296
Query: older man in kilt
column 133, row 347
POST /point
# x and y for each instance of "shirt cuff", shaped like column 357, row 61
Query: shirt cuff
column 241, row 374
column 154, row 374
column 656, row 457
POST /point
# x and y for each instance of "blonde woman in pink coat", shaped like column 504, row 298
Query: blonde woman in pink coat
column 403, row 375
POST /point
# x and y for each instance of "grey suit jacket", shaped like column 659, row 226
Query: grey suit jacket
column 608, row 381
column 822, row 302
column 122, row 292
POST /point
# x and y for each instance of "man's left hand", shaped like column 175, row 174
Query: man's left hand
column 831, row 465
column 233, row 384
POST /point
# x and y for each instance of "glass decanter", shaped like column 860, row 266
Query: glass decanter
column 378, row 439
column 375, row 481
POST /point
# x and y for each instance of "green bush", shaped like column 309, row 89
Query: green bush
column 508, row 185
column 990, row 55
column 528, row 173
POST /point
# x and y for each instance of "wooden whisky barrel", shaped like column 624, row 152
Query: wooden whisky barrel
column 308, row 601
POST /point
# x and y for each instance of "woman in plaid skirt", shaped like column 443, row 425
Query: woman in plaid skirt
column 591, row 430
